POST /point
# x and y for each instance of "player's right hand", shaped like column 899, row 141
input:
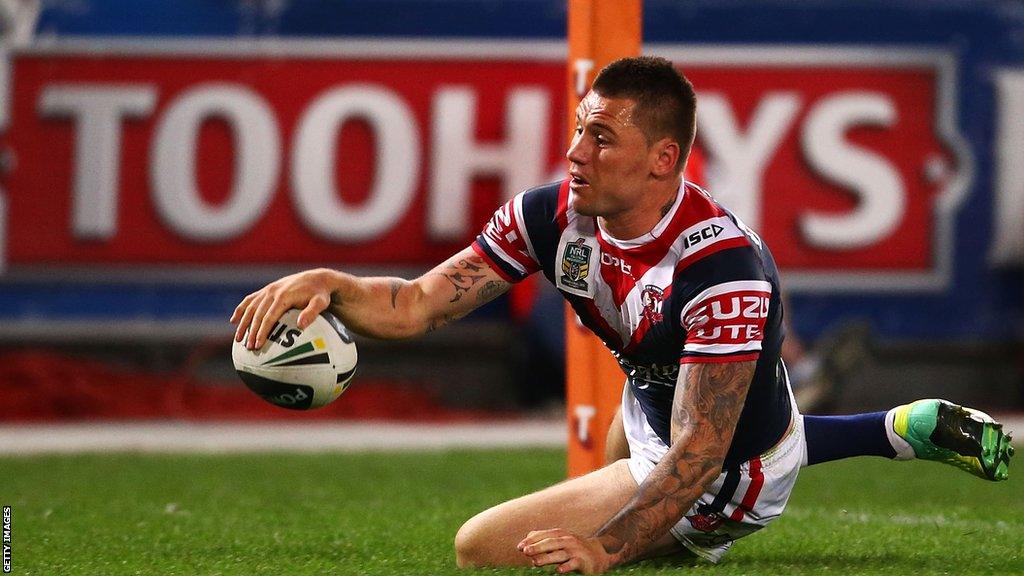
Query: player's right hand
column 569, row 551
column 256, row 315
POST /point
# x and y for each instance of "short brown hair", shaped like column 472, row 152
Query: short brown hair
column 665, row 102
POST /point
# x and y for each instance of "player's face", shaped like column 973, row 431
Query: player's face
column 609, row 158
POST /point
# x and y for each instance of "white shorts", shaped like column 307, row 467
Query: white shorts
column 739, row 502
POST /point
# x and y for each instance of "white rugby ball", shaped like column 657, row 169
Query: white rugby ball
column 299, row 369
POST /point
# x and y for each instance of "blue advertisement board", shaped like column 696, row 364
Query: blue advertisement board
column 873, row 144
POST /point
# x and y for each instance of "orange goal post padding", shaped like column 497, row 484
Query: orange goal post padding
column 600, row 31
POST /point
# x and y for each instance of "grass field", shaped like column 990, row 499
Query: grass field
column 397, row 513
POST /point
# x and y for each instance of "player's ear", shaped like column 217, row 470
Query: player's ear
column 666, row 157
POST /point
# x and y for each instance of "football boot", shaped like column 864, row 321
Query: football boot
column 963, row 437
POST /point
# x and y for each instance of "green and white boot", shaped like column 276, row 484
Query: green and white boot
column 963, row 437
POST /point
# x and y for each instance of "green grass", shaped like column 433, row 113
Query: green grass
column 397, row 514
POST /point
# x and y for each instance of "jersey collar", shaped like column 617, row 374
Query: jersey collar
column 654, row 234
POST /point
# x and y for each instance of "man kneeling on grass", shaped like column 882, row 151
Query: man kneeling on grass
column 708, row 442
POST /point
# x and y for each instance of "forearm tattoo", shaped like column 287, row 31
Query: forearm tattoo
column 491, row 290
column 438, row 323
column 463, row 275
column 704, row 418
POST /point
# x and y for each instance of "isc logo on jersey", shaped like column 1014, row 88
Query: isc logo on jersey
column 705, row 233
column 730, row 317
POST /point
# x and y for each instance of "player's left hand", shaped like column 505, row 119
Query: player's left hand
column 569, row 551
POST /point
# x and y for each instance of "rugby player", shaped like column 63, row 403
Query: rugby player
column 708, row 442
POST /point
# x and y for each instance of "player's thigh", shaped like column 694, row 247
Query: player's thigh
column 581, row 505
column 616, row 447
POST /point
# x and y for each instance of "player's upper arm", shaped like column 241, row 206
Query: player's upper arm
column 725, row 322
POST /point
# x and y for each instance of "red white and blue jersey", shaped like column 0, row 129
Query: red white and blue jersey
column 700, row 287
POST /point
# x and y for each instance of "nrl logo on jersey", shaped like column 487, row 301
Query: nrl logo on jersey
column 576, row 264
column 652, row 298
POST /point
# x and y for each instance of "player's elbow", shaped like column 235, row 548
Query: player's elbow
column 415, row 316
column 405, row 328
column 408, row 317
column 711, row 471
column 708, row 470
column 388, row 327
column 704, row 470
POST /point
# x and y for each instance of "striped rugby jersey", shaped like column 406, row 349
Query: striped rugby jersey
column 700, row 287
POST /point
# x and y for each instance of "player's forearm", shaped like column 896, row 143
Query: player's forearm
column 668, row 492
column 378, row 307
column 394, row 308
column 708, row 404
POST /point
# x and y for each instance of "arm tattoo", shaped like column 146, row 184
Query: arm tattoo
column 491, row 290
column 396, row 287
column 435, row 324
column 463, row 275
column 708, row 402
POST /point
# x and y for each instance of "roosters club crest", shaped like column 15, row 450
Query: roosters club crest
column 652, row 298
column 576, row 264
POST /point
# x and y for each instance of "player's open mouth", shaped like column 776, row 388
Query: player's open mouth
column 577, row 181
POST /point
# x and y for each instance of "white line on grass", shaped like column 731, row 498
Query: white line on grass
column 951, row 521
column 227, row 437
column 190, row 437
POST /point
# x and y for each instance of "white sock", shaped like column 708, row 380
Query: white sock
column 904, row 451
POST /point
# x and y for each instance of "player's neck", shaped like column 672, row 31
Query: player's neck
column 645, row 215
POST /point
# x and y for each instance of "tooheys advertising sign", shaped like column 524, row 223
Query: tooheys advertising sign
column 235, row 154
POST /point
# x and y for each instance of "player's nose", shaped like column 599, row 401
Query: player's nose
column 576, row 153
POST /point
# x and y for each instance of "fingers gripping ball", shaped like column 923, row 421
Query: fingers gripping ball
column 299, row 369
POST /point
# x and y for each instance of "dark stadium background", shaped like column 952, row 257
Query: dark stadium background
column 105, row 328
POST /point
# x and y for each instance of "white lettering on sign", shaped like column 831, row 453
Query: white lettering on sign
column 316, row 148
column 98, row 112
column 20, row 19
column 581, row 68
column 742, row 156
column 874, row 180
column 779, row 138
column 584, row 414
column 257, row 161
column 456, row 158
column 1008, row 217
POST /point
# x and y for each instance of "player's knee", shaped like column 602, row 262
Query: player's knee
column 469, row 545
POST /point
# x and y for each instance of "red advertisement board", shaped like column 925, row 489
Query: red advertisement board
column 183, row 154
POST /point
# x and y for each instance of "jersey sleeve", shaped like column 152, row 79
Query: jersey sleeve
column 725, row 323
column 505, row 242
column 724, row 316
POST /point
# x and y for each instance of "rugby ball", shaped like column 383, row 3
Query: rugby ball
column 299, row 369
